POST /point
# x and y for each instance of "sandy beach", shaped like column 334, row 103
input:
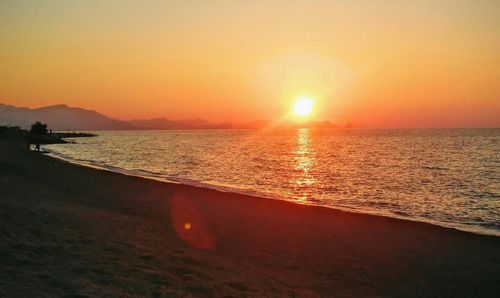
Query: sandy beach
column 72, row 231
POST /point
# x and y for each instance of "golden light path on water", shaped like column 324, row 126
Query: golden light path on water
column 303, row 162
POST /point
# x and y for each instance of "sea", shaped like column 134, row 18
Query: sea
column 447, row 177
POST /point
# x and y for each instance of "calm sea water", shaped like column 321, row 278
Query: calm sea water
column 449, row 177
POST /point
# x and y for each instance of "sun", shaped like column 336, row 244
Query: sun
column 303, row 106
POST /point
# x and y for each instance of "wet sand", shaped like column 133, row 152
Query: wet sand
column 67, row 230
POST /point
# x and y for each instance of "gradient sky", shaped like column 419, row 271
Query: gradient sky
column 372, row 63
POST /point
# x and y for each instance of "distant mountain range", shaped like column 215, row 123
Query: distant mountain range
column 163, row 123
column 62, row 117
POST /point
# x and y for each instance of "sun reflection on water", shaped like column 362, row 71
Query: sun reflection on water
column 303, row 163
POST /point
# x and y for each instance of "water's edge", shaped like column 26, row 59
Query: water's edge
column 465, row 228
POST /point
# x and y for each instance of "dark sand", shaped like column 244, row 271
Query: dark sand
column 75, row 231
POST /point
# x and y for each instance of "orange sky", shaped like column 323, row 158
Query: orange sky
column 373, row 63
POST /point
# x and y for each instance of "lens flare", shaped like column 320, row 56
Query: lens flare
column 190, row 223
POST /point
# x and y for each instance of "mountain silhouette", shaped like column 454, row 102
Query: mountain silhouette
column 60, row 117
column 63, row 117
column 163, row 123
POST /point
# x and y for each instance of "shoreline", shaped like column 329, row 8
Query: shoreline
column 67, row 229
column 462, row 228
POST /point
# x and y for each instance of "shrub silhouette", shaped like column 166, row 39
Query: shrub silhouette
column 39, row 129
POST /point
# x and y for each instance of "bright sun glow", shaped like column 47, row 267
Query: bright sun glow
column 303, row 106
